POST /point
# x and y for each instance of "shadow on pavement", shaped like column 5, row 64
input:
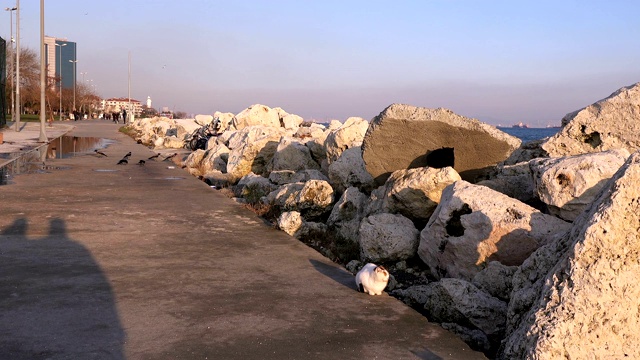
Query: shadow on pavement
column 56, row 302
column 335, row 273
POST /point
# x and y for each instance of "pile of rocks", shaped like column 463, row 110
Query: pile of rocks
column 524, row 250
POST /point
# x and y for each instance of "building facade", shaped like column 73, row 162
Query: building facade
column 118, row 104
column 61, row 61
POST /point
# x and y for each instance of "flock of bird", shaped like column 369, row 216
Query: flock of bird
column 125, row 159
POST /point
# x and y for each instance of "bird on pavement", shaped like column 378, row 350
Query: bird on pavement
column 154, row 156
column 141, row 162
column 127, row 156
column 171, row 156
column 98, row 152
column 123, row 162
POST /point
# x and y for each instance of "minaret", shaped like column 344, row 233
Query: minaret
column 149, row 102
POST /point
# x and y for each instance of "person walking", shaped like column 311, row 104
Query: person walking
column 124, row 116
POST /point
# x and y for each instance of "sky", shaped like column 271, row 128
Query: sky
column 502, row 62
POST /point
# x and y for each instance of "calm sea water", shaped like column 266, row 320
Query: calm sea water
column 528, row 134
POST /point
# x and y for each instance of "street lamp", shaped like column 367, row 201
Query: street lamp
column 13, row 105
column 60, row 81
column 74, row 83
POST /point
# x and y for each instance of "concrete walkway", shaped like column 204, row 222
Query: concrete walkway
column 106, row 261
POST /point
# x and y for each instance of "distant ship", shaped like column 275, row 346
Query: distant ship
column 520, row 125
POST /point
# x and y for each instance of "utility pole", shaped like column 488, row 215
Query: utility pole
column 18, row 65
column 43, row 107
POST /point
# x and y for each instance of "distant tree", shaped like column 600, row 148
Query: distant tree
column 29, row 78
column 180, row 115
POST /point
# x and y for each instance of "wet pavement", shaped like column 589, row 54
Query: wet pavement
column 107, row 261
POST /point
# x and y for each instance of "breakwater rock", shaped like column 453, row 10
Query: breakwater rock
column 510, row 264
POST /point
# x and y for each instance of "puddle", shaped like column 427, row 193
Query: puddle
column 32, row 161
column 105, row 170
column 70, row 146
column 173, row 178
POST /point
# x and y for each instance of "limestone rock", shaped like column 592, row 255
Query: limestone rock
column 387, row 237
column 496, row 280
column 215, row 158
column 474, row 225
column 458, row 301
column 290, row 222
column 415, row 193
column 347, row 214
column 224, row 119
column 193, row 162
column 404, row 137
column 349, row 170
column 252, row 148
column 173, row 142
column 292, row 155
column 282, row 177
column 257, row 115
column 348, row 135
column 515, row 181
column 253, row 187
column 203, row 119
column 569, row 184
column 284, row 197
column 315, row 198
column 527, row 151
column 611, row 123
column 583, row 288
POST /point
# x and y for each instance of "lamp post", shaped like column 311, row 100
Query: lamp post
column 60, row 81
column 74, row 83
column 17, row 107
column 13, row 105
column 43, row 108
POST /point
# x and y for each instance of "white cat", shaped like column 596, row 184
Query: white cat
column 373, row 279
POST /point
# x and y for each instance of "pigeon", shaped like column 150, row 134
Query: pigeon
column 128, row 155
column 98, row 152
column 153, row 157
column 123, row 162
column 171, row 156
column 141, row 162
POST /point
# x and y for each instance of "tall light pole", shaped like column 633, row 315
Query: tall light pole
column 13, row 104
column 60, row 75
column 17, row 112
column 74, row 83
column 43, row 107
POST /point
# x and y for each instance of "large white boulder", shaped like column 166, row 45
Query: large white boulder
column 577, row 297
column 291, row 154
column 215, row 158
column 193, row 163
column 474, row 225
column 348, row 135
column 387, row 237
column 253, row 187
column 315, row 198
column 282, row 177
column 347, row 214
column 225, row 120
column 404, row 137
column 460, row 302
column 349, row 170
column 252, row 148
column 257, row 115
column 569, row 184
column 415, row 193
column 611, row 123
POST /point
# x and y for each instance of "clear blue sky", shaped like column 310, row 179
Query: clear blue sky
column 498, row 61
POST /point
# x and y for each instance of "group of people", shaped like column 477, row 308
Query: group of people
column 116, row 116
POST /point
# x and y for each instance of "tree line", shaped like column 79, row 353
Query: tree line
column 86, row 99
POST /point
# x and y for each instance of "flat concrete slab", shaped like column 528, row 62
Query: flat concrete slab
column 106, row 261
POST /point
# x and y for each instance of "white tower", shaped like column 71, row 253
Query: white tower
column 149, row 102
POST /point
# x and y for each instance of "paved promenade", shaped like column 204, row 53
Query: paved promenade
column 106, row 261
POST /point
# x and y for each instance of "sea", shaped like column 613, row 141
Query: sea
column 529, row 134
